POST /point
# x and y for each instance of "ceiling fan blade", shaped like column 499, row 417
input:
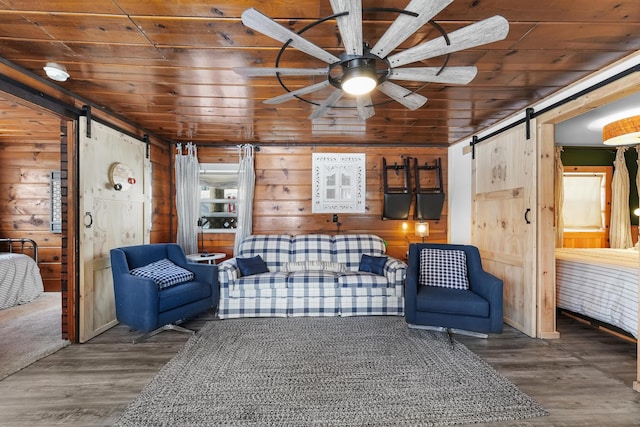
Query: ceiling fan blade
column 272, row 71
column 350, row 25
column 405, row 25
column 404, row 96
column 452, row 75
column 290, row 95
column 267, row 26
column 482, row 32
column 326, row 105
column 365, row 109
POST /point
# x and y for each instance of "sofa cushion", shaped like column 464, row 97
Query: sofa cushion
column 312, row 279
column 372, row 264
column 311, row 247
column 251, row 266
column 270, row 280
column 164, row 273
column 177, row 296
column 443, row 267
column 274, row 249
column 362, row 280
column 451, row 301
column 348, row 248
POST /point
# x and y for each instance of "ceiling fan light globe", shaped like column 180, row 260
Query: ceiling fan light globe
column 359, row 85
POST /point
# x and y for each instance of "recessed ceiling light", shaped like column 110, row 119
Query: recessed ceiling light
column 56, row 72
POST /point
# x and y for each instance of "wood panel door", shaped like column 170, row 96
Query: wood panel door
column 504, row 225
column 115, row 210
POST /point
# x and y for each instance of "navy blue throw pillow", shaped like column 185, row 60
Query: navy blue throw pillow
column 253, row 265
column 372, row 264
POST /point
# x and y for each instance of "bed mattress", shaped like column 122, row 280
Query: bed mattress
column 600, row 283
column 20, row 280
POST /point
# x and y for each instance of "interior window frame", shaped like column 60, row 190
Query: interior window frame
column 226, row 201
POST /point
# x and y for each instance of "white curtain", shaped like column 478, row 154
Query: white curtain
column 187, row 197
column 638, row 188
column 620, row 227
column 559, row 198
column 246, row 185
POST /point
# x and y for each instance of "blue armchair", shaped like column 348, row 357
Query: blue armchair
column 477, row 309
column 142, row 305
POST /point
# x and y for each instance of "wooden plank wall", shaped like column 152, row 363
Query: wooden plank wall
column 282, row 202
column 161, row 195
column 27, row 162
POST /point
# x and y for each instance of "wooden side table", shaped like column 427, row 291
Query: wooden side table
column 209, row 258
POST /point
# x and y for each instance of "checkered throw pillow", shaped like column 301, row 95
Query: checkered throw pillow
column 164, row 273
column 444, row 268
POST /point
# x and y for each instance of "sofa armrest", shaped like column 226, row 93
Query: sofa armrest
column 137, row 300
column 395, row 272
column 228, row 272
column 486, row 285
column 490, row 288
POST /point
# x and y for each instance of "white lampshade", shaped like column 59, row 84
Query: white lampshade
column 56, row 72
column 625, row 131
column 422, row 229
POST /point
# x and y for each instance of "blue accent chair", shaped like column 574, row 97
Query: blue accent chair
column 139, row 302
column 477, row 311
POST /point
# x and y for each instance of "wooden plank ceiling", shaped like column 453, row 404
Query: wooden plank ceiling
column 167, row 65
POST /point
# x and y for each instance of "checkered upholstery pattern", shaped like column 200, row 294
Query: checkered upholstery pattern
column 362, row 280
column 348, row 248
column 314, row 306
column 311, row 275
column 164, row 273
column 231, row 308
column 311, row 247
column 313, row 279
column 443, row 267
column 274, row 249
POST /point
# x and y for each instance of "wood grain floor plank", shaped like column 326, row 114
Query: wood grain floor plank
column 582, row 379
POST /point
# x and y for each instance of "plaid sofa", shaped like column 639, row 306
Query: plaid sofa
column 331, row 285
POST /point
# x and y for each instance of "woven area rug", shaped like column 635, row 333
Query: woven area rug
column 30, row 332
column 337, row 371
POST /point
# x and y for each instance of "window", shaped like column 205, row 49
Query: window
column 585, row 201
column 218, row 194
column 339, row 183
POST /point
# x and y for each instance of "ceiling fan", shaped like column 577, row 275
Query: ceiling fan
column 361, row 69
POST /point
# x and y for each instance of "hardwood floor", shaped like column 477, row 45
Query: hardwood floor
column 582, row 379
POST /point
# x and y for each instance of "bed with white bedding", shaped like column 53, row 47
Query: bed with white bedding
column 599, row 283
column 20, row 279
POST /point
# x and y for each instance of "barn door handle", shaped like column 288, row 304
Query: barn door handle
column 88, row 220
column 526, row 216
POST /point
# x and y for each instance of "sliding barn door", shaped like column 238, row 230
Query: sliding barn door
column 115, row 211
column 504, row 228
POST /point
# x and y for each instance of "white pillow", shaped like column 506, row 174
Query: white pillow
column 334, row 267
column 290, row 267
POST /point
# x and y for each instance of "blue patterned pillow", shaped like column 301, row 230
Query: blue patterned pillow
column 444, row 268
column 253, row 265
column 164, row 273
column 372, row 264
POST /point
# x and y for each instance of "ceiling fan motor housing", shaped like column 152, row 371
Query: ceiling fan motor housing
column 366, row 65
